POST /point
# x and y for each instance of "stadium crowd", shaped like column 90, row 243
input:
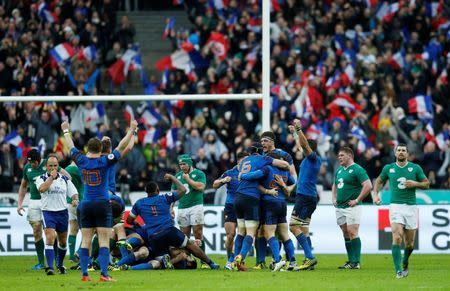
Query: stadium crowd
column 369, row 76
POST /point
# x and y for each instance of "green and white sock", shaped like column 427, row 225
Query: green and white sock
column 397, row 257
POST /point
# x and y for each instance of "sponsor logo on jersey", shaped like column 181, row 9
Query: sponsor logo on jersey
column 339, row 171
column 111, row 157
column 351, row 171
column 391, row 170
column 410, row 169
column 29, row 170
column 194, row 176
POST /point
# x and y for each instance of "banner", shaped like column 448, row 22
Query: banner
column 16, row 236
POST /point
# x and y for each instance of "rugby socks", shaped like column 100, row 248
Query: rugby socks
column 103, row 260
column 348, row 248
column 289, row 249
column 230, row 256
column 72, row 243
column 397, row 257
column 40, row 246
column 143, row 266
column 123, row 250
column 134, row 242
column 406, row 255
column 246, row 246
column 260, row 246
column 61, row 254
column 238, row 244
column 50, row 256
column 356, row 248
column 275, row 248
column 308, row 238
column 84, row 260
column 301, row 238
column 127, row 260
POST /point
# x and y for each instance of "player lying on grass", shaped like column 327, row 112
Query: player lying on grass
column 160, row 230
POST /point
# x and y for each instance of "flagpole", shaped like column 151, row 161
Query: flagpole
column 266, row 65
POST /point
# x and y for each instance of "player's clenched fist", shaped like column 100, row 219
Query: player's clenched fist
column 65, row 126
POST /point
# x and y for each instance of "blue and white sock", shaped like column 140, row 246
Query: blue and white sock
column 246, row 245
column 127, row 260
column 61, row 255
column 103, row 260
column 289, row 248
column 275, row 248
column 238, row 243
column 260, row 246
column 50, row 256
column 84, row 260
column 305, row 245
column 143, row 266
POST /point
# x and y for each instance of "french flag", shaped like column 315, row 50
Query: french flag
column 171, row 137
column 150, row 116
column 442, row 140
column 313, row 132
column 150, row 136
column 371, row 3
column 119, row 70
column 232, row 21
column 45, row 14
column 219, row 45
column 89, row 53
column 181, row 59
column 433, row 8
column 422, row 105
column 96, row 113
column 348, row 76
column 14, row 139
column 128, row 114
column 440, row 23
column 218, row 4
column 342, row 101
column 363, row 142
column 170, row 25
column 62, row 52
column 251, row 58
column 397, row 61
column 387, row 11
column 255, row 24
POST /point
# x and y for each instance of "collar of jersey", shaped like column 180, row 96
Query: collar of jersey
column 345, row 169
column 403, row 166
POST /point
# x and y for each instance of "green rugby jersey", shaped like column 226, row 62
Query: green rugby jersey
column 397, row 177
column 30, row 175
column 192, row 197
column 76, row 180
column 348, row 183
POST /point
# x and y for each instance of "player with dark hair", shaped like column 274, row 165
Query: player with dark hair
column 351, row 185
column 404, row 178
column 95, row 209
column 306, row 197
column 230, row 178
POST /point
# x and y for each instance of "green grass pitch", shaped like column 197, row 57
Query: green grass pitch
column 426, row 272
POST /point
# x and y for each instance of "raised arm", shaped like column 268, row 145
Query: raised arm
column 46, row 185
column 197, row 185
column 302, row 138
column 126, row 139
column 65, row 126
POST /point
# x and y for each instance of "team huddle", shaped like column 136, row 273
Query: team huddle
column 82, row 196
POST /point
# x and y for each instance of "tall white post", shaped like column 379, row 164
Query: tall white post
column 266, row 65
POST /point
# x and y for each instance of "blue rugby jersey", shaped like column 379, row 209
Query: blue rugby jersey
column 307, row 176
column 266, row 176
column 155, row 212
column 251, row 164
column 95, row 173
column 232, row 185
